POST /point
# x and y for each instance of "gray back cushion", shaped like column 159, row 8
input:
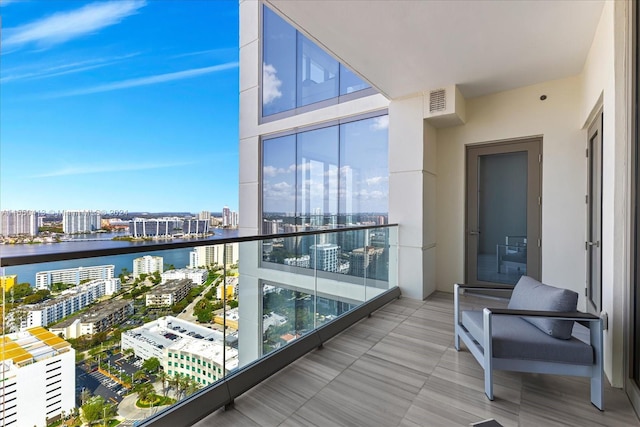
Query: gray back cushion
column 529, row 294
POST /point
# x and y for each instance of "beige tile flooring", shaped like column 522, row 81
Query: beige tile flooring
column 399, row 368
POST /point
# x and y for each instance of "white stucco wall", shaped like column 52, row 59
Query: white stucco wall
column 509, row 115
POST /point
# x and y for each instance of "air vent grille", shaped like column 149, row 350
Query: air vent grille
column 437, row 100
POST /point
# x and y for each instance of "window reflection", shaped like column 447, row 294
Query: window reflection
column 332, row 176
column 296, row 72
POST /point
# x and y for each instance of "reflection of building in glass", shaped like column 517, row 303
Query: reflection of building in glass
column 303, row 261
column 147, row 265
column 38, row 378
column 13, row 223
column 364, row 262
column 184, row 348
column 324, row 257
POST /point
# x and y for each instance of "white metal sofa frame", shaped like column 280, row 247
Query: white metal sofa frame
column 483, row 351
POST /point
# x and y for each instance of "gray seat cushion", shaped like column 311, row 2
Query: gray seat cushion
column 529, row 294
column 514, row 338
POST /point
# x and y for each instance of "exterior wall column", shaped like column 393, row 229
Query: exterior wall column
column 412, row 195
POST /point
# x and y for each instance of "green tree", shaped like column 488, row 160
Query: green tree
column 163, row 377
column 139, row 375
column 151, row 365
column 145, row 392
column 93, row 410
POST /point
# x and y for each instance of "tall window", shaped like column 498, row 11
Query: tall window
column 296, row 72
column 332, row 176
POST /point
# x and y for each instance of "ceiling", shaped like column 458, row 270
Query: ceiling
column 404, row 47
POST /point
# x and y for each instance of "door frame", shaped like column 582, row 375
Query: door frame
column 533, row 145
column 593, row 243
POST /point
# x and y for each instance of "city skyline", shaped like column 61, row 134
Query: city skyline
column 104, row 109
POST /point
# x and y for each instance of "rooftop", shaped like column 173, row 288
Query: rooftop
column 31, row 345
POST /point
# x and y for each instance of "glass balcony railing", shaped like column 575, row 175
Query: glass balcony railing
column 143, row 330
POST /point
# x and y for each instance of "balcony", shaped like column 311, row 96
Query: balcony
column 256, row 304
column 399, row 368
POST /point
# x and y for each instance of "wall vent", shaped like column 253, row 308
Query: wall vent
column 437, row 100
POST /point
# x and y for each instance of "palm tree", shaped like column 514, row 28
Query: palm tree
column 174, row 382
column 85, row 395
column 145, row 391
column 192, row 387
column 184, row 383
column 164, row 378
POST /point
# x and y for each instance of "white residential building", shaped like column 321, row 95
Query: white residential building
column 97, row 319
column 73, row 276
column 183, row 348
column 67, row 303
column 197, row 275
column 13, row 223
column 80, row 221
column 206, row 256
column 324, row 256
column 38, row 378
column 147, row 265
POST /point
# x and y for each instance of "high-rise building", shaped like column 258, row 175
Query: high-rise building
column 156, row 228
column 73, row 276
column 147, row 265
column 226, row 216
column 195, row 226
column 38, row 378
column 207, row 256
column 204, row 215
column 20, row 222
column 324, row 256
column 80, row 221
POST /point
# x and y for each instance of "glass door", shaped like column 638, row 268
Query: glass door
column 503, row 211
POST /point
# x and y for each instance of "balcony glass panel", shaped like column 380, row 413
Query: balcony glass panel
column 185, row 318
column 349, row 82
column 279, row 183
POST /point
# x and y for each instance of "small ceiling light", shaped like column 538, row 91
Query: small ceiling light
column 543, row 97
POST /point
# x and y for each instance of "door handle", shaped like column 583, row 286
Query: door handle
column 474, row 232
column 587, row 244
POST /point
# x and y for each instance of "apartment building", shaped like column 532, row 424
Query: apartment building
column 8, row 282
column 197, row 275
column 97, row 319
column 38, row 374
column 207, row 256
column 168, row 293
column 67, row 303
column 452, row 86
column 73, row 276
column 20, row 222
column 80, row 221
column 147, row 265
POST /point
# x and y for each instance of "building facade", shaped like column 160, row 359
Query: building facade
column 183, row 348
column 38, row 372
column 80, row 221
column 21, row 222
column 169, row 293
column 197, row 275
column 73, row 276
column 147, row 265
column 8, row 282
column 100, row 318
column 208, row 256
column 70, row 301
column 152, row 228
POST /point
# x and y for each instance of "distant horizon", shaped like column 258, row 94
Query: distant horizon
column 104, row 109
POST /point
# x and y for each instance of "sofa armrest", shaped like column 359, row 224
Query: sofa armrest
column 577, row 316
column 491, row 287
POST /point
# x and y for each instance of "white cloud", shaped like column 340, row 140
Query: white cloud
column 145, row 81
column 6, row 2
column 62, row 69
column 64, row 26
column 380, row 123
column 270, row 84
column 90, row 169
column 282, row 186
column 377, row 180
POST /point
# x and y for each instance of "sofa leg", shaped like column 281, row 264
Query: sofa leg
column 456, row 339
column 597, row 392
column 488, row 384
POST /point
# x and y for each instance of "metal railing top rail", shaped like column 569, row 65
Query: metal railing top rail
column 12, row 261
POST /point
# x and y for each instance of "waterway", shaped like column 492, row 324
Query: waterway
column 27, row 273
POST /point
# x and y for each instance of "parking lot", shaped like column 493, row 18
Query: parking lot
column 102, row 385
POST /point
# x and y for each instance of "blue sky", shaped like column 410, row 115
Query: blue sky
column 119, row 105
